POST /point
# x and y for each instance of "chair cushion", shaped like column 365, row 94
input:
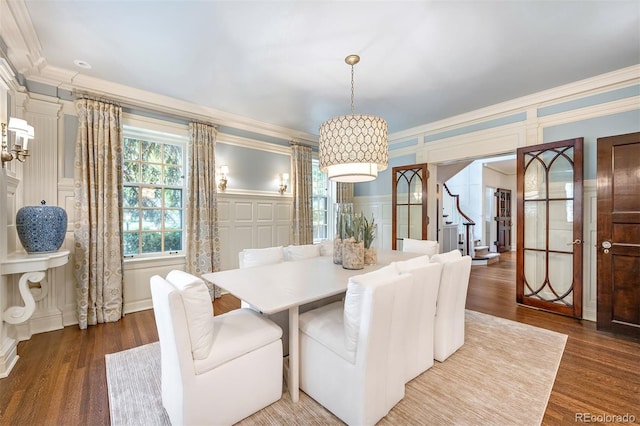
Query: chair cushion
column 237, row 333
column 326, row 326
column 264, row 256
column 198, row 309
column 354, row 299
column 411, row 264
column 301, row 252
column 451, row 256
column 420, row 246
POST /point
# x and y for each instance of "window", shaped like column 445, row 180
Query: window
column 321, row 203
column 153, row 192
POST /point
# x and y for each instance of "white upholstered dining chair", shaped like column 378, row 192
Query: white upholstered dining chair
column 249, row 258
column 420, row 327
column 428, row 247
column 214, row 370
column 452, row 298
column 351, row 359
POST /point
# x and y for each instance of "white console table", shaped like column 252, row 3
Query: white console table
column 33, row 268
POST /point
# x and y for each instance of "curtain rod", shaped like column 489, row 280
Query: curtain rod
column 80, row 94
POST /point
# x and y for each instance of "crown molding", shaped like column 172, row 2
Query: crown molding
column 227, row 139
column 17, row 31
column 578, row 89
column 82, row 84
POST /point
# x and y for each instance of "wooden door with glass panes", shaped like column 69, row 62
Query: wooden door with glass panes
column 549, row 240
column 503, row 220
column 409, row 203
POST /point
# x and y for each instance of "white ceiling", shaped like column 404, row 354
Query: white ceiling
column 283, row 62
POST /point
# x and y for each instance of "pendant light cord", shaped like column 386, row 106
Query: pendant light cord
column 352, row 109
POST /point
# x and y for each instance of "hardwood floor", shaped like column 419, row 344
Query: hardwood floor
column 60, row 377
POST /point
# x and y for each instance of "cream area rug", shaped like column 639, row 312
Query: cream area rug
column 503, row 375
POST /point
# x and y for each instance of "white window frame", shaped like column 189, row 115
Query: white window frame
column 154, row 130
column 330, row 196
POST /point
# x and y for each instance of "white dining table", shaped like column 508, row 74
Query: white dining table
column 287, row 285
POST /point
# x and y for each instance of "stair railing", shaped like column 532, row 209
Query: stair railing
column 468, row 224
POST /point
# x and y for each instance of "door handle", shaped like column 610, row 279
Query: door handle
column 575, row 242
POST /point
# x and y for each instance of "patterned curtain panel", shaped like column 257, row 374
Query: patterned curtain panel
column 203, row 239
column 344, row 192
column 98, row 212
column 301, row 179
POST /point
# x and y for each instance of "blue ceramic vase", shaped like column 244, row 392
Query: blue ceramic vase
column 41, row 229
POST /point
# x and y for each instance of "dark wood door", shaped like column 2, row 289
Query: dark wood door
column 618, row 244
column 549, row 200
column 503, row 219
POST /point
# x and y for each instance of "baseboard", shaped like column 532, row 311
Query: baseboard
column 43, row 321
column 69, row 314
column 8, row 356
column 137, row 306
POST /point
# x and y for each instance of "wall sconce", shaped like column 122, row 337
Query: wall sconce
column 23, row 132
column 284, row 178
column 222, row 183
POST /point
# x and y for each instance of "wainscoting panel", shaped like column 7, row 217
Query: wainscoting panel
column 380, row 207
column 223, row 211
column 264, row 212
column 243, row 211
column 259, row 221
column 265, row 235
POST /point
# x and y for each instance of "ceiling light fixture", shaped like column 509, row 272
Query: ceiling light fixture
column 353, row 148
column 82, row 64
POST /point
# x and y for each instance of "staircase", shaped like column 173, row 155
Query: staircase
column 482, row 256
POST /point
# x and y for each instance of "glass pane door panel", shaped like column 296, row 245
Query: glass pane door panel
column 535, row 224
column 534, row 271
column 402, row 222
column 534, row 179
column 402, row 190
column 560, row 225
column 560, row 178
column 415, row 225
column 561, row 275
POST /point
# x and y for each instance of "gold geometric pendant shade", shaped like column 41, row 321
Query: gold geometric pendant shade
column 353, row 148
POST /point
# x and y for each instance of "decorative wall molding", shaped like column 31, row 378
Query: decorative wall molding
column 586, row 113
column 590, row 86
column 227, row 139
column 8, row 355
column 252, row 222
column 380, row 207
column 499, row 140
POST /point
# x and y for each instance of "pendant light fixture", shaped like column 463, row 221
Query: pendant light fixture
column 353, row 148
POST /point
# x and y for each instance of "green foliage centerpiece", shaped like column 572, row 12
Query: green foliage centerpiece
column 343, row 210
column 369, row 229
column 353, row 242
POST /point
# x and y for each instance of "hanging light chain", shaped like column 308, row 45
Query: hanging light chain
column 352, row 91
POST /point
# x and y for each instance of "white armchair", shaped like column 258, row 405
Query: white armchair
column 427, row 247
column 351, row 359
column 214, row 370
column 452, row 298
column 420, row 326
